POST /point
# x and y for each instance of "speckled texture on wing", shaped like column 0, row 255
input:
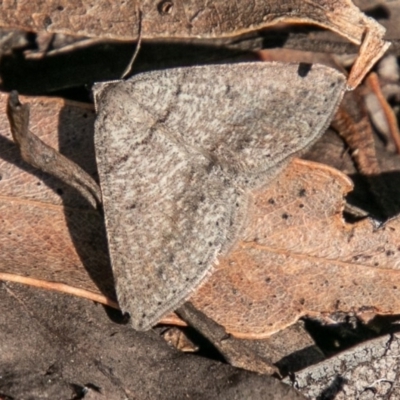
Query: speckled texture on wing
column 168, row 213
column 177, row 151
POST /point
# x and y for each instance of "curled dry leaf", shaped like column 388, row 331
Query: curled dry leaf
column 299, row 257
column 352, row 123
column 44, row 157
column 199, row 19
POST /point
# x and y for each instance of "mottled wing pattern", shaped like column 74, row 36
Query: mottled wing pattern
column 248, row 117
column 178, row 149
column 168, row 212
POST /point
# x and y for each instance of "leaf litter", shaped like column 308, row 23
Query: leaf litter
column 343, row 266
column 86, row 282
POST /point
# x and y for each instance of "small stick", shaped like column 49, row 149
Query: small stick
column 233, row 350
column 170, row 319
column 59, row 287
column 128, row 69
column 373, row 83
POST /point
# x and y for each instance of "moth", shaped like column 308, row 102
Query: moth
column 179, row 152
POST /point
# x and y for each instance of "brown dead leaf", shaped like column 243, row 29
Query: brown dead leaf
column 177, row 338
column 65, row 126
column 40, row 155
column 54, row 244
column 41, row 239
column 352, row 123
column 199, row 19
column 299, row 257
column 51, row 237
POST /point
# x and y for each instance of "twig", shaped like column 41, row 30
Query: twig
column 373, row 83
column 233, row 350
column 38, row 154
column 86, row 294
column 59, row 287
column 128, row 69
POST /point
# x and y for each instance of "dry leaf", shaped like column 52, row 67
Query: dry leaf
column 352, row 123
column 42, row 242
column 40, row 155
column 199, row 19
column 177, row 338
column 40, row 238
column 306, row 260
column 299, row 257
column 55, row 244
column 65, row 126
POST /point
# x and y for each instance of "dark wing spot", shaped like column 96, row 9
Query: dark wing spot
column 304, row 69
